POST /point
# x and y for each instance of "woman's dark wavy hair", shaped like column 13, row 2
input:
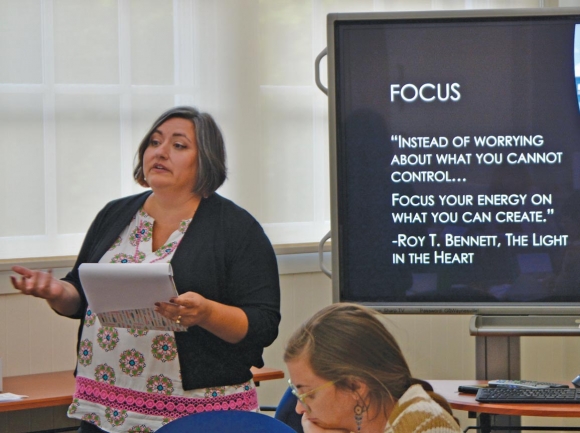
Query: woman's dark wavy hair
column 345, row 342
column 211, row 152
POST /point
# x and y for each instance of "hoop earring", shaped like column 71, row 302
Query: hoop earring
column 358, row 413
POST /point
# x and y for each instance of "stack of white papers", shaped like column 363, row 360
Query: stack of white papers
column 7, row 396
column 123, row 295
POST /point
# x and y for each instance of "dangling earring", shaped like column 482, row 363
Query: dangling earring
column 358, row 412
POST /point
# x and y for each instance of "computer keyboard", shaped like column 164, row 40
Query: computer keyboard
column 524, row 395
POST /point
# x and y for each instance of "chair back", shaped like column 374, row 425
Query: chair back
column 286, row 411
column 227, row 421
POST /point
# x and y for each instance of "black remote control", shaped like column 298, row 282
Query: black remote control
column 471, row 389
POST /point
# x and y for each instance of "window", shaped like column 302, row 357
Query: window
column 81, row 82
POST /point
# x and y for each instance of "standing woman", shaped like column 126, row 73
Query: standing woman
column 225, row 272
column 349, row 375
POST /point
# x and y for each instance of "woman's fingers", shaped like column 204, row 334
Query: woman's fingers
column 188, row 308
column 171, row 311
column 15, row 283
column 35, row 283
column 190, row 300
column 20, row 283
column 30, row 282
column 45, row 280
column 25, row 272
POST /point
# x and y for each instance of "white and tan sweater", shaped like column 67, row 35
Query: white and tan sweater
column 417, row 412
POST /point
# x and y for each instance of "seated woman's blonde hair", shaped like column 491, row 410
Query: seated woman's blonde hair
column 347, row 342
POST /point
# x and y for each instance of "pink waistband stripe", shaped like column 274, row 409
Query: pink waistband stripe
column 158, row 404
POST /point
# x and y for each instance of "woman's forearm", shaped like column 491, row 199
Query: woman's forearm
column 68, row 303
column 226, row 322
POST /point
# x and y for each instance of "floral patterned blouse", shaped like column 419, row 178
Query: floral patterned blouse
column 129, row 380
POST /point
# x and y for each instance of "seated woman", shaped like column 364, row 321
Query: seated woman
column 349, row 375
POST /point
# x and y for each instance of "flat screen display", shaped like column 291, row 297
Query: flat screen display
column 455, row 160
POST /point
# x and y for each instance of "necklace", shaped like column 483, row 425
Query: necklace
column 145, row 231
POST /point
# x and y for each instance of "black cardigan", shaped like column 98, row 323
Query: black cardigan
column 224, row 256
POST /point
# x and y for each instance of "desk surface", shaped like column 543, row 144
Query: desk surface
column 56, row 389
column 461, row 401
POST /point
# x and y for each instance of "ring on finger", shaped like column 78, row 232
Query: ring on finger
column 178, row 320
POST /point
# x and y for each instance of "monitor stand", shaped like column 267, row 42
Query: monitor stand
column 498, row 357
column 497, row 354
column 497, row 347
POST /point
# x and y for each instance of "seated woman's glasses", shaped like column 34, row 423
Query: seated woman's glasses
column 302, row 397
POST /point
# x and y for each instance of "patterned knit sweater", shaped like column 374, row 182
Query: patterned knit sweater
column 417, row 412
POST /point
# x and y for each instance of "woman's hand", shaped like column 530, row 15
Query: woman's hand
column 60, row 295
column 37, row 283
column 310, row 427
column 191, row 309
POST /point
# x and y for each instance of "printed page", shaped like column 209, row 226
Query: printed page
column 124, row 294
